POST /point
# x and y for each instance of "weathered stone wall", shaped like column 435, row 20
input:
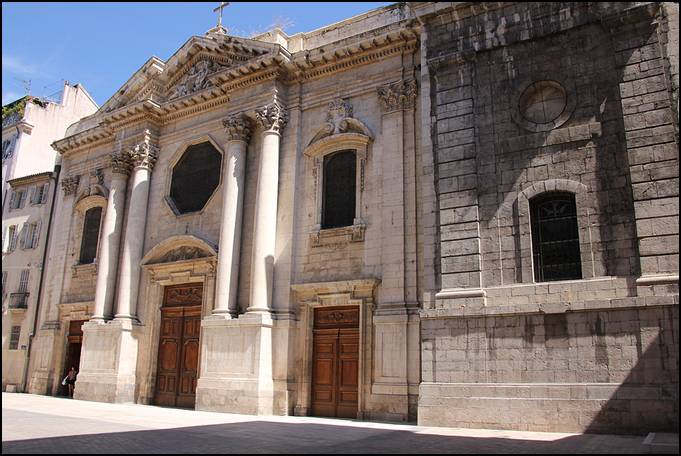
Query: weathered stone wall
column 587, row 354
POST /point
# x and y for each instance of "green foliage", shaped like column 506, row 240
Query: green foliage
column 17, row 106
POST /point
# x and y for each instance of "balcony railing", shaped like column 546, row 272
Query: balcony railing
column 18, row 300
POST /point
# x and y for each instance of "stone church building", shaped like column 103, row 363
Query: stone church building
column 460, row 214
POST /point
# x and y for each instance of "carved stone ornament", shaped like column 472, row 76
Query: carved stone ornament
column 398, row 95
column 272, row 117
column 339, row 120
column 95, row 185
column 196, row 78
column 145, row 153
column 120, row 162
column 181, row 254
column 70, row 184
column 238, row 127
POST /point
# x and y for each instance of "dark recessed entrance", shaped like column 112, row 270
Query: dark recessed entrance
column 73, row 346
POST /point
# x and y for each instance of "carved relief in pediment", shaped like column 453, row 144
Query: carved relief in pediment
column 195, row 79
column 180, row 254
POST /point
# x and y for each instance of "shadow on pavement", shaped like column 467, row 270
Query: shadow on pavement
column 268, row 437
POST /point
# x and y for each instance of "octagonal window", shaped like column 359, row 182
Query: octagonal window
column 195, row 177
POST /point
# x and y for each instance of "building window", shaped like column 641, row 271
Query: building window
column 23, row 281
column 39, row 194
column 14, row 338
column 31, row 233
column 7, row 149
column 195, row 177
column 338, row 208
column 555, row 237
column 9, row 241
column 88, row 245
column 17, row 199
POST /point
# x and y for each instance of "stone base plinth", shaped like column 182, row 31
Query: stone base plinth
column 236, row 365
column 550, row 407
column 41, row 378
column 108, row 362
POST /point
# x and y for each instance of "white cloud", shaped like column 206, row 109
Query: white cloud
column 15, row 65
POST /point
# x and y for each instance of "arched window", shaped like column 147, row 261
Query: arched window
column 555, row 237
column 88, row 245
column 340, row 171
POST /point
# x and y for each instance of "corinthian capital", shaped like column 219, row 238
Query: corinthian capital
column 70, row 184
column 120, row 163
column 398, row 95
column 145, row 153
column 238, row 127
column 273, row 117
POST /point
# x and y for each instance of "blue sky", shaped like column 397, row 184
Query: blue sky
column 100, row 45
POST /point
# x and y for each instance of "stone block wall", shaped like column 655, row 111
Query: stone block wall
column 594, row 354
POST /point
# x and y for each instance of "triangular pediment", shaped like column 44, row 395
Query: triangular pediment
column 189, row 69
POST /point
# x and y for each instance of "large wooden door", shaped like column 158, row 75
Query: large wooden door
column 335, row 367
column 178, row 349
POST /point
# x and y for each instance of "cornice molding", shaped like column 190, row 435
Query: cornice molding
column 272, row 62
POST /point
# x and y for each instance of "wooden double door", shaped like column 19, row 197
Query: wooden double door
column 178, row 349
column 335, row 367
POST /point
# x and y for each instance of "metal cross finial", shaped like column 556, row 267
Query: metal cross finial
column 219, row 9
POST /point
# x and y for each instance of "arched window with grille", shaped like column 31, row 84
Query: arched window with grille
column 555, row 237
column 88, row 245
column 340, row 171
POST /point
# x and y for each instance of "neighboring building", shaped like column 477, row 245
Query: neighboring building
column 31, row 124
column 462, row 214
column 25, row 222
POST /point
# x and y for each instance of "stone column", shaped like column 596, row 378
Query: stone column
column 273, row 118
column 111, row 238
column 143, row 157
column 233, row 181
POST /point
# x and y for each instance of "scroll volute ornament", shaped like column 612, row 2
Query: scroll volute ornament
column 145, row 153
column 272, row 117
column 120, row 163
column 238, row 127
column 398, row 95
column 70, row 184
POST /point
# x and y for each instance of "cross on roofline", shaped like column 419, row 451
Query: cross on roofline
column 219, row 9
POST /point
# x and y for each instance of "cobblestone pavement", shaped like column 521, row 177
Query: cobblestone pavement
column 41, row 424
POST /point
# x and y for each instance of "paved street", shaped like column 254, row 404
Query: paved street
column 39, row 424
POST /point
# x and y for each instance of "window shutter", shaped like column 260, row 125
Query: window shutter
column 4, row 284
column 23, row 281
column 36, row 234
column 24, row 235
column 13, row 200
column 4, row 239
column 22, row 199
column 14, row 234
column 33, row 194
column 46, row 188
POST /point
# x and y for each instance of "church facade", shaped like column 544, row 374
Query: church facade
column 427, row 212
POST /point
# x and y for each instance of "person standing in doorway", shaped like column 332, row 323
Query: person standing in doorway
column 71, row 380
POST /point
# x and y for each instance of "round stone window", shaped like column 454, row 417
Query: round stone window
column 195, row 177
column 543, row 102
